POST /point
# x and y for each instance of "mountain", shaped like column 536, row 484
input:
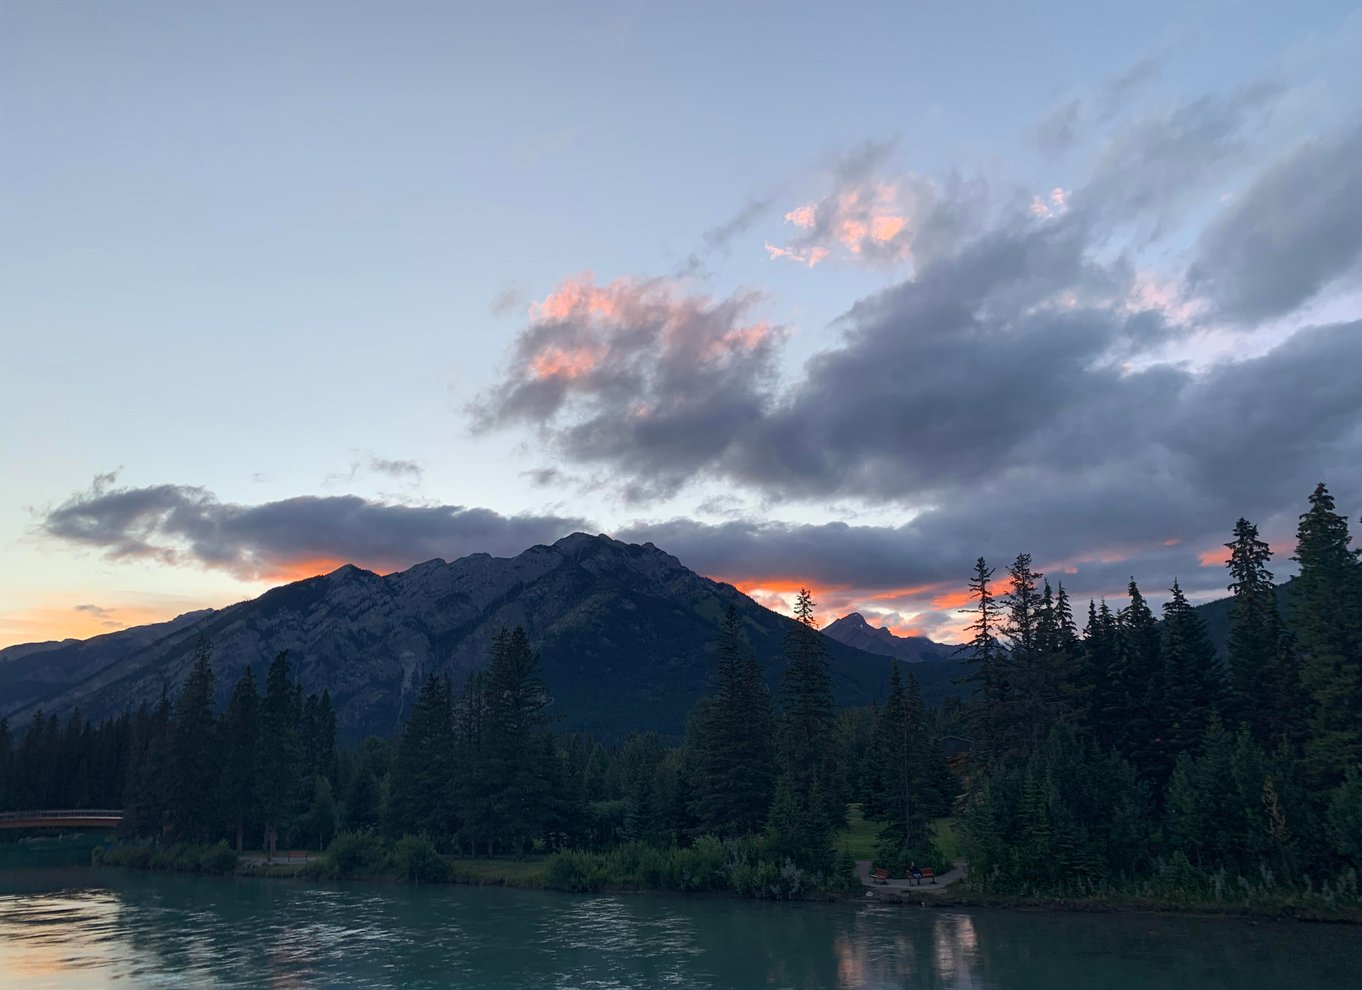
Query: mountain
column 625, row 631
column 31, row 672
column 1216, row 614
column 853, row 630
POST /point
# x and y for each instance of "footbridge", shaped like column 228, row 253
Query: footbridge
column 63, row 818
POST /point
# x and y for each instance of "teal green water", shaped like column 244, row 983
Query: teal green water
column 82, row 927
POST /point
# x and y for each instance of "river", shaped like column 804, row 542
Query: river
column 84, row 927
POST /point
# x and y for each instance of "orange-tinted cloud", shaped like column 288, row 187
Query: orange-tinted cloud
column 871, row 221
column 1215, row 557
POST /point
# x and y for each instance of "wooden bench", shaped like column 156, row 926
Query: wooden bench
column 880, row 876
column 923, row 873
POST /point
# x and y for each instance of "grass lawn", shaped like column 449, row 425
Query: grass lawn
column 947, row 839
column 860, row 836
column 511, row 872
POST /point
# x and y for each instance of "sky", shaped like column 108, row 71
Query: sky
column 838, row 296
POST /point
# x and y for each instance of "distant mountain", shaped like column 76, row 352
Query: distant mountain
column 626, row 634
column 853, row 630
column 1216, row 614
column 32, row 672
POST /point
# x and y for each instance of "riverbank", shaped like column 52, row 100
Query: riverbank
column 585, row 873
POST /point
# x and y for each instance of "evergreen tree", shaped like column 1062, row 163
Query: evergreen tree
column 194, row 755
column 1140, row 671
column 1192, row 680
column 983, row 649
column 516, row 700
column 280, row 759
column 146, row 810
column 808, row 739
column 421, row 782
column 1254, row 650
column 1326, row 613
column 904, row 776
column 240, row 744
column 733, row 764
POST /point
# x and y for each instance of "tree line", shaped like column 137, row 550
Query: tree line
column 1134, row 749
column 479, row 770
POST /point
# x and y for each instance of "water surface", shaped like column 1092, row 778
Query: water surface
column 83, row 927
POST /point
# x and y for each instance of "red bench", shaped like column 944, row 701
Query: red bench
column 880, row 876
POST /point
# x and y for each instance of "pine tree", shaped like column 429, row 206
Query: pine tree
column 1141, row 677
column 808, row 740
column 1326, row 613
column 732, row 760
column 517, row 702
column 904, row 778
column 279, row 763
column 421, row 782
column 1255, row 635
column 1192, row 679
column 240, row 738
column 983, row 650
column 194, row 754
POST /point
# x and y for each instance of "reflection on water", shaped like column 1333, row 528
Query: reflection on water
column 87, row 928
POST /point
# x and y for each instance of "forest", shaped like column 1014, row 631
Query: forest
column 1126, row 757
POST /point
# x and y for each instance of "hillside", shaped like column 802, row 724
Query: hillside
column 625, row 632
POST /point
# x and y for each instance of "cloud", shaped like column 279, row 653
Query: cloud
column 867, row 218
column 1063, row 126
column 104, row 616
column 366, row 462
column 1008, row 393
column 639, row 369
column 287, row 539
column 1295, row 231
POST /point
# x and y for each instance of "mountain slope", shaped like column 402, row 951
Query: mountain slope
column 853, row 630
column 625, row 632
column 32, row 672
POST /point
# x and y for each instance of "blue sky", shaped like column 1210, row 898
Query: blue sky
column 273, row 252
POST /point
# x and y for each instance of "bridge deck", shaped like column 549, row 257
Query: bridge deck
column 63, row 818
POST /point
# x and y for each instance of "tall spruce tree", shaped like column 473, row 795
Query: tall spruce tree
column 194, row 754
column 1326, row 613
column 421, row 782
column 733, row 762
column 807, row 756
column 1144, row 726
column 1254, row 646
column 1192, row 678
column 516, row 715
column 985, row 652
column 279, row 762
column 903, row 776
column 240, row 744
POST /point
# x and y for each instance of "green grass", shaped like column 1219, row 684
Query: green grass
column 508, row 872
column 947, row 839
column 859, row 838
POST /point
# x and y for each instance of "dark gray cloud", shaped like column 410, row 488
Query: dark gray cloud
column 181, row 524
column 1291, row 234
column 637, row 365
column 1006, row 394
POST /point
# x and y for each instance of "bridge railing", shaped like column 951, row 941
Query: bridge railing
column 84, row 813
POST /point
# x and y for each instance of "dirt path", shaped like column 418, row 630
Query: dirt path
column 944, row 880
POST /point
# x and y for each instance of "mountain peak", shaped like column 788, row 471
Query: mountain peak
column 854, row 629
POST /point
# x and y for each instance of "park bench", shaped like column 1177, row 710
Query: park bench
column 923, row 873
column 880, row 876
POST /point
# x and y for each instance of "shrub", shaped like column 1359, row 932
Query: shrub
column 355, row 854
column 418, row 861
